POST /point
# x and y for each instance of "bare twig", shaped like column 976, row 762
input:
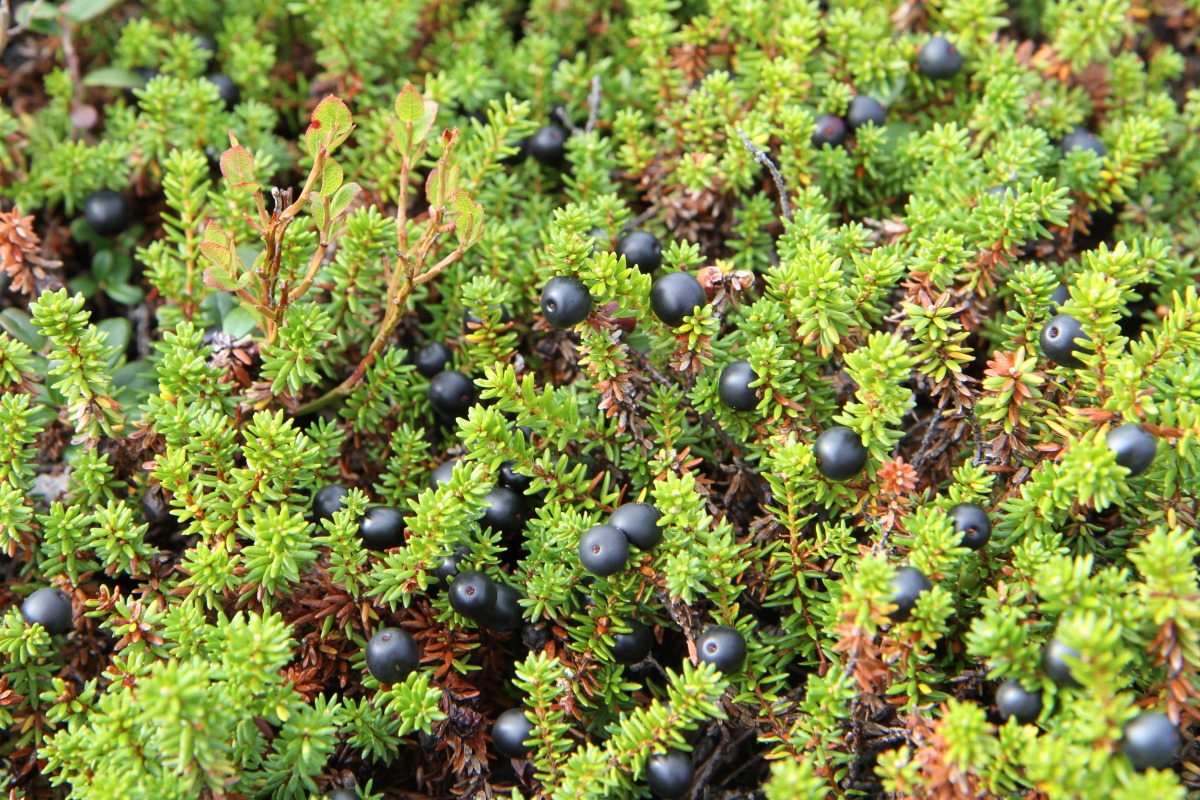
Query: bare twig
column 933, row 422
column 785, row 208
column 6, row 32
column 593, row 104
column 561, row 114
column 642, row 217
column 977, row 434
column 72, row 59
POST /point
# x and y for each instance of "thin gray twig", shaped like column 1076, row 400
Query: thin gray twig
column 561, row 113
column 593, row 103
column 762, row 158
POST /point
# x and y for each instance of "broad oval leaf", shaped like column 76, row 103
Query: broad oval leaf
column 219, row 278
column 330, row 124
column 217, row 246
column 410, row 106
column 237, row 165
column 331, row 178
column 342, row 198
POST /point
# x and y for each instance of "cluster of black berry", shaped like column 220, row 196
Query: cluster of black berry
column 1150, row 740
column 604, row 549
column 381, row 528
column 669, row 774
column 1134, row 447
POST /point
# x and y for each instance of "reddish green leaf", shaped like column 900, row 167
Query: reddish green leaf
column 217, row 246
column 410, row 106
column 460, row 201
column 237, row 165
column 220, row 278
column 330, row 124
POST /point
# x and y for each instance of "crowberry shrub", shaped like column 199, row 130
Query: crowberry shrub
column 770, row 398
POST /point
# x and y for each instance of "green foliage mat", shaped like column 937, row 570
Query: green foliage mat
column 173, row 395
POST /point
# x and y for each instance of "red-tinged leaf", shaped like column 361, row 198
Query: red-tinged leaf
column 410, row 106
column 342, row 198
column 469, row 224
column 217, row 246
column 330, row 125
column 219, row 278
column 460, row 201
column 237, row 165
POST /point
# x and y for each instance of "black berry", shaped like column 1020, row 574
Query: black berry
column 1055, row 666
column 227, row 88
column 1058, row 340
column 722, row 647
column 972, row 522
column 451, row 393
column 392, row 655
column 1061, row 295
column 907, row 585
column 641, row 249
column 511, row 479
column 503, row 512
column 442, row 474
column 448, row 569
column 734, row 386
column 864, row 109
column 432, row 359
column 632, row 647
column 106, row 211
column 328, row 501
column 675, row 296
column 1151, row 741
column 840, row 453
column 1083, row 139
column 669, row 774
column 49, row 607
column 1135, row 448
column 830, row 129
column 472, row 594
column 939, row 59
column 1014, row 701
column 548, row 145
column 639, row 523
column 603, row 550
column 509, row 733
column 566, row 302
column 505, row 612
column 382, row 527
